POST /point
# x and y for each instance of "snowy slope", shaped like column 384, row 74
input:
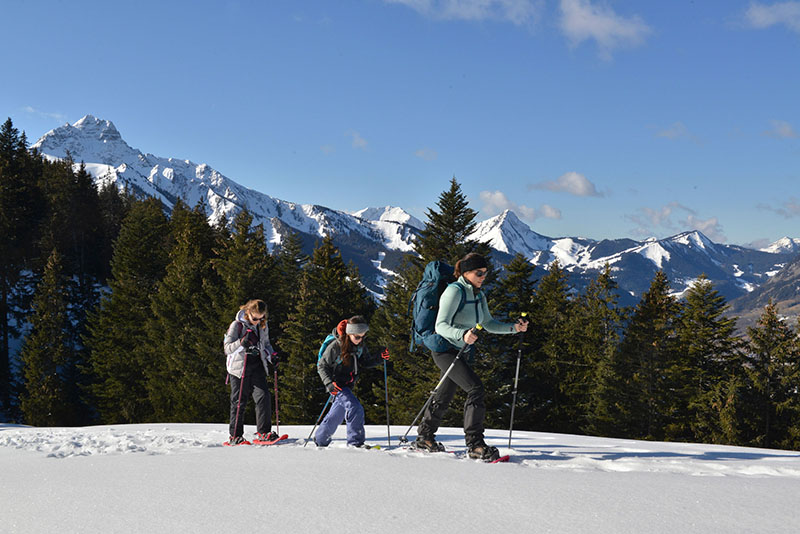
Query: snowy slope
column 177, row 478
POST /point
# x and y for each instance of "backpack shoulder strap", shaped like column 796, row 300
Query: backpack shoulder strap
column 462, row 292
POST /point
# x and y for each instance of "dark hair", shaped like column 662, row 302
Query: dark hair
column 470, row 262
column 347, row 346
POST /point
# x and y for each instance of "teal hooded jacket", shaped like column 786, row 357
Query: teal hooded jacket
column 452, row 323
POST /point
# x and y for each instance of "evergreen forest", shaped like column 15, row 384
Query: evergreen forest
column 114, row 310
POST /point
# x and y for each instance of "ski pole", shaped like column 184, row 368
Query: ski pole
column 239, row 402
column 404, row 439
column 386, row 392
column 318, row 419
column 516, row 382
column 277, row 413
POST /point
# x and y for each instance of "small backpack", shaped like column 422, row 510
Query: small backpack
column 328, row 339
column 424, row 306
column 340, row 328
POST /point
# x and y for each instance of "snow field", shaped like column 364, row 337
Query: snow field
column 177, row 478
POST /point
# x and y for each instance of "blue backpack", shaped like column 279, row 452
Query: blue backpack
column 424, row 306
column 328, row 339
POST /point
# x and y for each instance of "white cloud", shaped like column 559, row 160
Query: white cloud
column 549, row 212
column 678, row 130
column 761, row 16
column 781, row 130
column 582, row 21
column 496, row 202
column 674, row 218
column 358, row 141
column 571, row 182
column 518, row 12
column 428, row 154
column 60, row 117
column 789, row 209
column 675, row 131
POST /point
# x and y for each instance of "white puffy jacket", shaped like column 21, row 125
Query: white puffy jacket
column 234, row 351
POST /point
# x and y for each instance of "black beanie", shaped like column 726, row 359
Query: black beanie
column 472, row 262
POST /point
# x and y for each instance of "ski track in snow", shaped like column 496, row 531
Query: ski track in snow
column 532, row 450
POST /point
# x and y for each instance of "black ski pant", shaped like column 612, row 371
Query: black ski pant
column 461, row 376
column 254, row 382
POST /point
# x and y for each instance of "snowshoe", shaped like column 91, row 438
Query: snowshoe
column 484, row 452
column 267, row 436
column 233, row 441
column 427, row 444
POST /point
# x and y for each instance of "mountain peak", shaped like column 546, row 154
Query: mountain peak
column 93, row 124
column 88, row 139
column 507, row 233
column 784, row 245
column 390, row 213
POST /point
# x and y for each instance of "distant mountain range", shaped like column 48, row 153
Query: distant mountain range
column 375, row 239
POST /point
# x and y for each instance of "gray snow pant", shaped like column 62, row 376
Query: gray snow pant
column 464, row 377
column 255, row 384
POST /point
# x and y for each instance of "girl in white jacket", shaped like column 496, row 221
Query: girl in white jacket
column 248, row 352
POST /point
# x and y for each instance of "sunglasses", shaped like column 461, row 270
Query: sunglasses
column 481, row 274
column 358, row 337
column 257, row 319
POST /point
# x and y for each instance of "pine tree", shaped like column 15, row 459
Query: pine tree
column 245, row 268
column 49, row 398
column 710, row 356
column 770, row 371
column 21, row 209
column 646, row 365
column 549, row 373
column 329, row 292
column 446, row 235
column 184, row 384
column 114, row 206
column 73, row 226
column 116, row 335
column 289, row 266
column 596, row 329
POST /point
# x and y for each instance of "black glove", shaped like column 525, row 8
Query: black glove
column 333, row 388
column 250, row 338
column 274, row 359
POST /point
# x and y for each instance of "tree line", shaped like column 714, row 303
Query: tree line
column 121, row 308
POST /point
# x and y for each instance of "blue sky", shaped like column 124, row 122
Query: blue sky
column 603, row 119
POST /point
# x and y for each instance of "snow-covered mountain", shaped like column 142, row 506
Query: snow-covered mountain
column 110, row 159
column 390, row 214
column 376, row 238
column 734, row 270
column 784, row 245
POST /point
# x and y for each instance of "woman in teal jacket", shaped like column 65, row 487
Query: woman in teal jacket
column 462, row 306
